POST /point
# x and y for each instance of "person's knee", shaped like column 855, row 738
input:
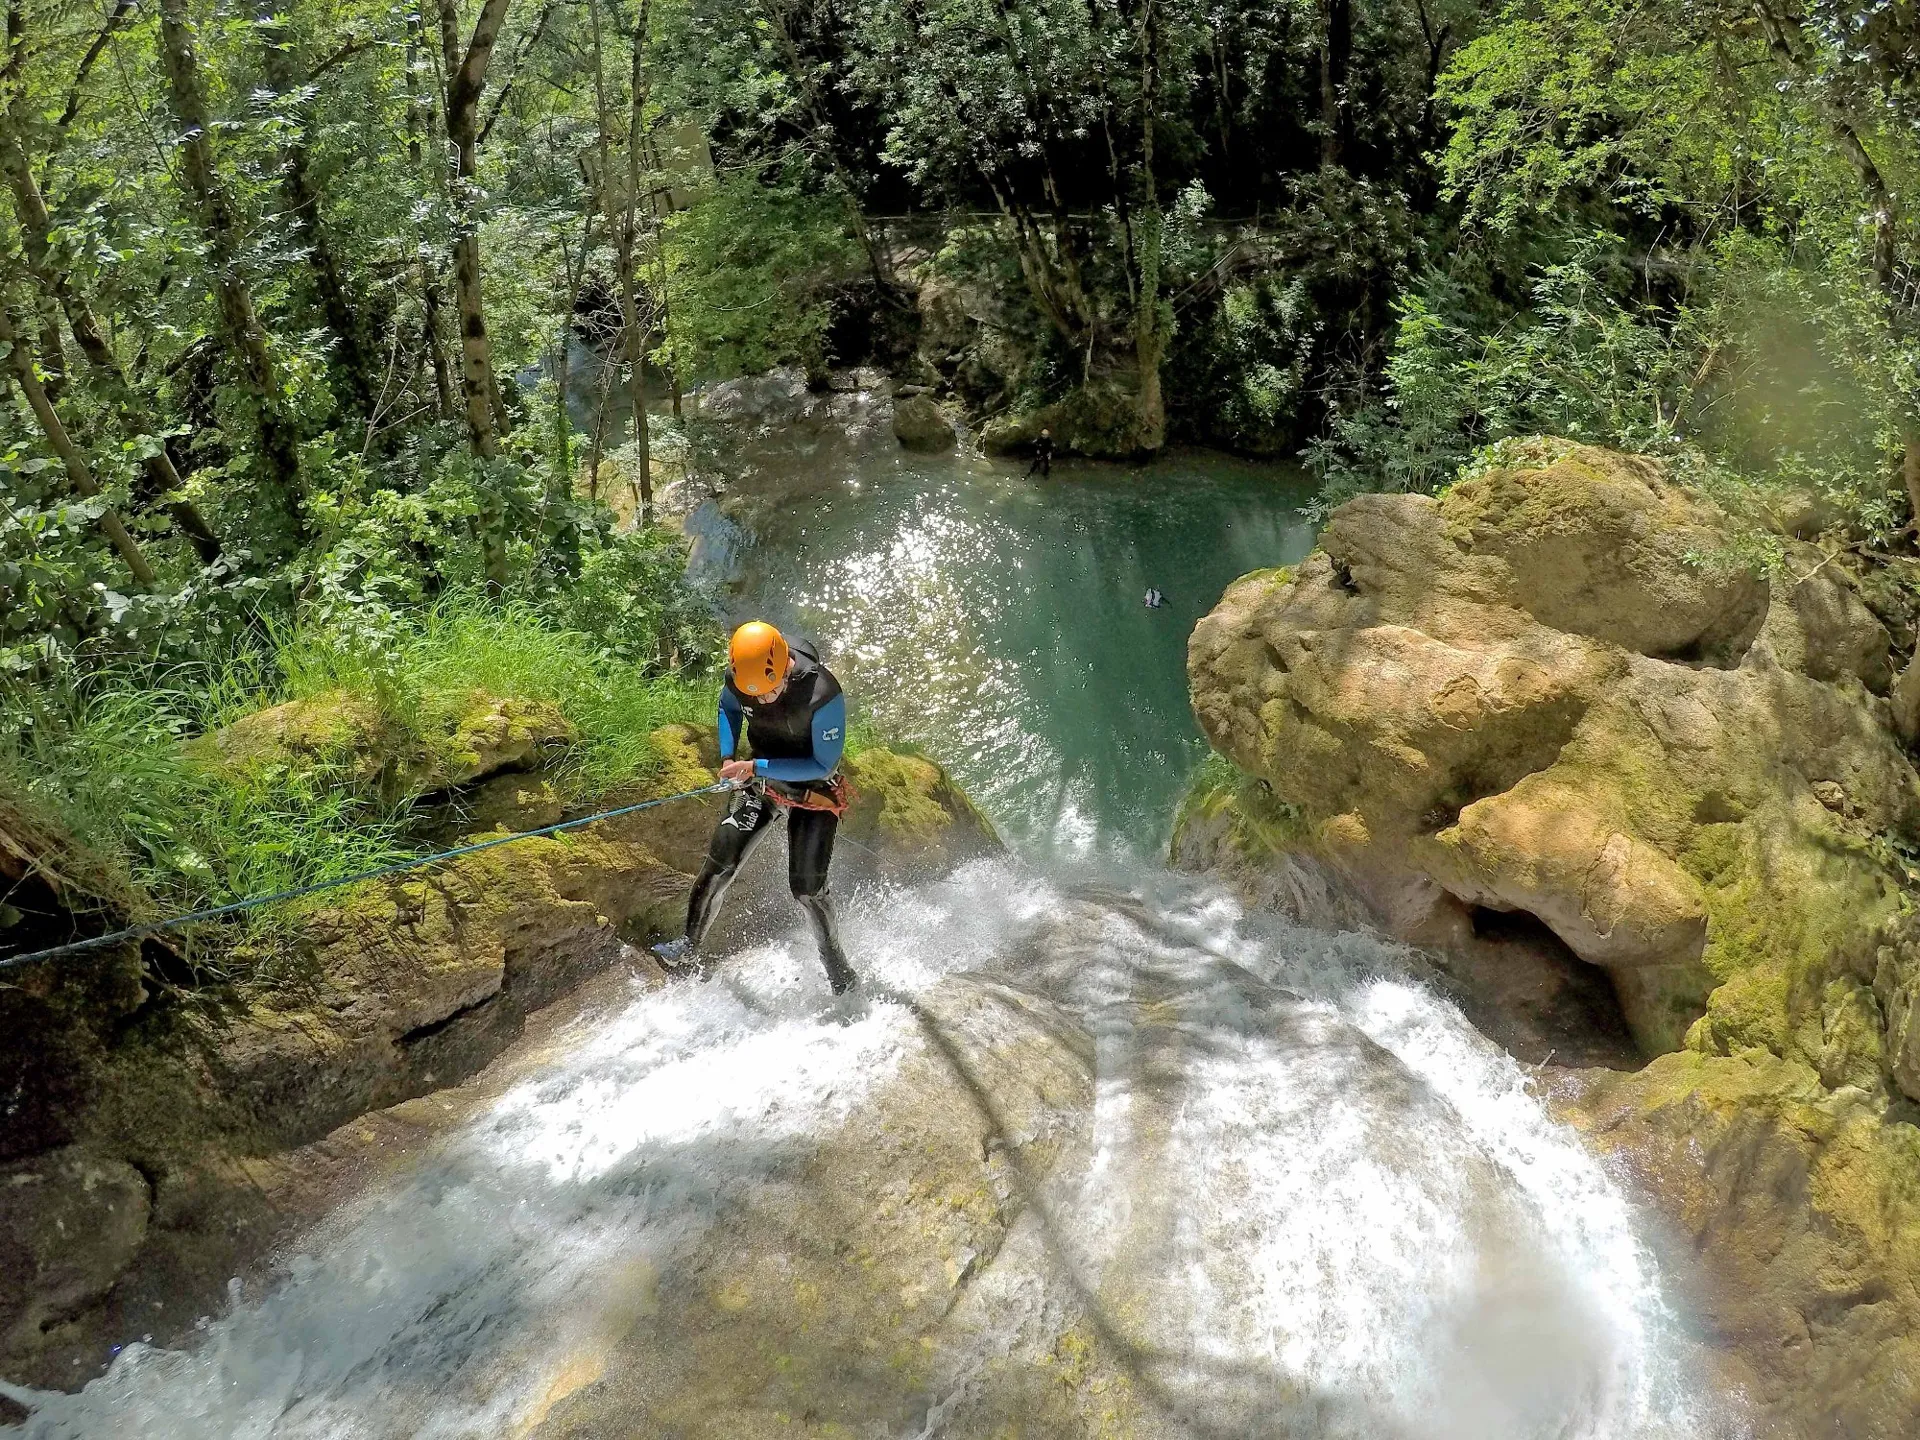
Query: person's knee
column 720, row 868
column 807, row 875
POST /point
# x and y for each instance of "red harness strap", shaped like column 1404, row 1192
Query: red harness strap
column 839, row 795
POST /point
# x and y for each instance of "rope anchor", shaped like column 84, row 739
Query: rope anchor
column 136, row 932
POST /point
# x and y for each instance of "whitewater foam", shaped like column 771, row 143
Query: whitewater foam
column 1311, row 1191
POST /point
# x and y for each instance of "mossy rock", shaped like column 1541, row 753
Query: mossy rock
column 335, row 733
column 919, row 425
column 1557, row 691
column 1547, row 692
column 1101, row 421
column 908, row 810
column 487, row 734
column 1796, row 1214
column 337, row 737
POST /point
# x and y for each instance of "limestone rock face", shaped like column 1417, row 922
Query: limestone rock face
column 919, row 425
column 421, row 980
column 1551, row 697
column 1552, row 692
column 70, row 1222
column 1796, row 1239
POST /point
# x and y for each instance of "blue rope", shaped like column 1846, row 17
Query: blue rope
column 11, row 962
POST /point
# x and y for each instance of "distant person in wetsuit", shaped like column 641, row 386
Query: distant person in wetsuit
column 795, row 717
column 1042, row 454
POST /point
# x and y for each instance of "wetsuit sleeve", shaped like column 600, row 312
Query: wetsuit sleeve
column 730, row 718
column 829, row 739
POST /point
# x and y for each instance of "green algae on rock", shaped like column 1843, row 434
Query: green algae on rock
column 1796, row 1216
column 348, row 736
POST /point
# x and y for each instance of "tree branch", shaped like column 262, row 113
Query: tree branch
column 346, row 52
column 519, row 58
column 122, row 12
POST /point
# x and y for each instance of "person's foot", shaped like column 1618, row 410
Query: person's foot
column 677, row 955
column 841, row 978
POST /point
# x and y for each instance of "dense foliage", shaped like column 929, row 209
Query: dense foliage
column 319, row 316
column 328, row 303
column 1683, row 227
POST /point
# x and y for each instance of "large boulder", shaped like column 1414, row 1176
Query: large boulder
column 1552, row 691
column 919, row 425
column 909, row 815
column 1100, row 420
column 1555, row 697
column 339, row 735
column 778, row 397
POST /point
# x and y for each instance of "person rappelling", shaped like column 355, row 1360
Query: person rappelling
column 795, row 720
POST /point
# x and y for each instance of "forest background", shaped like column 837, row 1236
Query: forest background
column 294, row 293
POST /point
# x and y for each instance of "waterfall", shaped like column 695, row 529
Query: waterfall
column 1267, row 1184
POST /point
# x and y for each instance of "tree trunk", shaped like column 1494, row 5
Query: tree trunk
column 562, row 421
column 637, row 336
column 240, row 324
column 419, row 125
column 430, row 327
column 1149, row 327
column 598, row 446
column 1336, row 54
column 622, row 215
column 466, row 78
column 36, row 227
column 303, row 205
column 1054, row 286
column 20, row 360
column 1910, row 468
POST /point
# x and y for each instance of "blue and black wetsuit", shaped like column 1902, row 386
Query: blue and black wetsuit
column 797, row 740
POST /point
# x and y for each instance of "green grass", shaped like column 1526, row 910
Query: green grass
column 424, row 675
column 107, row 763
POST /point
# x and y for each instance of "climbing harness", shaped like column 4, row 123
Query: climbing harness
column 135, row 932
column 835, row 799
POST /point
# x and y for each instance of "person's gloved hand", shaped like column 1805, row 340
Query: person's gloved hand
column 738, row 771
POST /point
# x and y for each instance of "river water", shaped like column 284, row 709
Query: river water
column 1099, row 1153
column 1000, row 622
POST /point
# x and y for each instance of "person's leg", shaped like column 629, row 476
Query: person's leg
column 809, row 855
column 748, row 820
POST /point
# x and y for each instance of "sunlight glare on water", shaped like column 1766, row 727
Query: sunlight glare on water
column 999, row 622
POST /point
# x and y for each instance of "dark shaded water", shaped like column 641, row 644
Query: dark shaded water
column 999, row 621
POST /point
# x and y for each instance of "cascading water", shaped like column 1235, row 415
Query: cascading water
column 1099, row 1153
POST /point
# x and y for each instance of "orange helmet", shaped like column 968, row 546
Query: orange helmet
column 759, row 657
